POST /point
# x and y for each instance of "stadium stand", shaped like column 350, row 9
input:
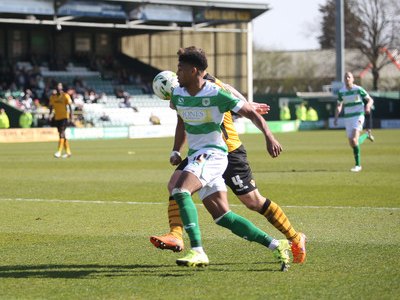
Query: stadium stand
column 125, row 99
column 141, row 108
column 89, row 46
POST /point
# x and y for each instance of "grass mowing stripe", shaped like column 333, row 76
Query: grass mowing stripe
column 161, row 203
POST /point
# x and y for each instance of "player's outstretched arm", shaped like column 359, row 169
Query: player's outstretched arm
column 273, row 146
column 261, row 108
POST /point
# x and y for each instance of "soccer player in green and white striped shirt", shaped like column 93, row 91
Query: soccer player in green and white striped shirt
column 351, row 99
column 200, row 105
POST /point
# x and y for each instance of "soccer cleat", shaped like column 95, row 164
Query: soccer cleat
column 299, row 249
column 66, row 155
column 57, row 154
column 282, row 254
column 356, row 169
column 167, row 241
column 370, row 136
column 193, row 259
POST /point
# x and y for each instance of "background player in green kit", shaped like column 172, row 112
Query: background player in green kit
column 351, row 97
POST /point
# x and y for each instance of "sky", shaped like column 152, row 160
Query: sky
column 289, row 25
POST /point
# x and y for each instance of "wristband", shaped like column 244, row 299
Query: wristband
column 173, row 153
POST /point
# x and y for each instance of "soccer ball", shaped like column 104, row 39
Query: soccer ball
column 164, row 83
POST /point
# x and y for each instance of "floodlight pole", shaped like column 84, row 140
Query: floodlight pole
column 339, row 36
column 249, row 62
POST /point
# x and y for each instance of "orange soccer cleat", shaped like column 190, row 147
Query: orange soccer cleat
column 167, row 241
column 299, row 249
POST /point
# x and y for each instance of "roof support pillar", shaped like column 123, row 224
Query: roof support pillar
column 250, row 61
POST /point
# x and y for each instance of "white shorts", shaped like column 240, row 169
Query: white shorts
column 352, row 123
column 208, row 166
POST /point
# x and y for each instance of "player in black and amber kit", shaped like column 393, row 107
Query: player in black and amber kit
column 60, row 103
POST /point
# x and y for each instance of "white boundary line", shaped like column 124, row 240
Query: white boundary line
column 162, row 203
column 79, row 201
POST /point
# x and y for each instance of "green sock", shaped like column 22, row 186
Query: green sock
column 244, row 228
column 356, row 151
column 189, row 217
column 362, row 138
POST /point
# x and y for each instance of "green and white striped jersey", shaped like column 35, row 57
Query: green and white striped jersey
column 203, row 114
column 352, row 100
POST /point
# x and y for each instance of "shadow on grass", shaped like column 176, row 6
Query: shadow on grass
column 81, row 271
column 93, row 271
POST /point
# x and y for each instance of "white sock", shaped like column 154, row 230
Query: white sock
column 198, row 249
column 274, row 244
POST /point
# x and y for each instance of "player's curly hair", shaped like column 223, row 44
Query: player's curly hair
column 193, row 56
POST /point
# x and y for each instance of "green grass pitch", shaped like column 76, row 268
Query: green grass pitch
column 79, row 228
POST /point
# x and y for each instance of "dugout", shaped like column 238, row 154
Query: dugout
column 149, row 32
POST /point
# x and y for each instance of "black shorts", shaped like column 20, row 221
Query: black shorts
column 61, row 124
column 238, row 175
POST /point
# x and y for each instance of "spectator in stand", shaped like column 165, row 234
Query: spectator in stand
column 102, row 98
column 13, row 102
column 27, row 100
column 91, row 97
column 36, row 105
column 104, row 117
column 40, row 83
column 79, row 85
column 4, row 121
column 121, row 94
column 76, row 98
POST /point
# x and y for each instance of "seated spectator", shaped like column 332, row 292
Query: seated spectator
column 104, row 117
column 13, row 102
column 36, row 105
column 77, row 99
column 27, row 100
column 102, row 98
column 121, row 94
column 92, row 97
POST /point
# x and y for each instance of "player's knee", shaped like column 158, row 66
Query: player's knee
column 173, row 180
column 252, row 206
column 170, row 187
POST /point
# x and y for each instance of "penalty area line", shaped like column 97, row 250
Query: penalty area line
column 164, row 203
